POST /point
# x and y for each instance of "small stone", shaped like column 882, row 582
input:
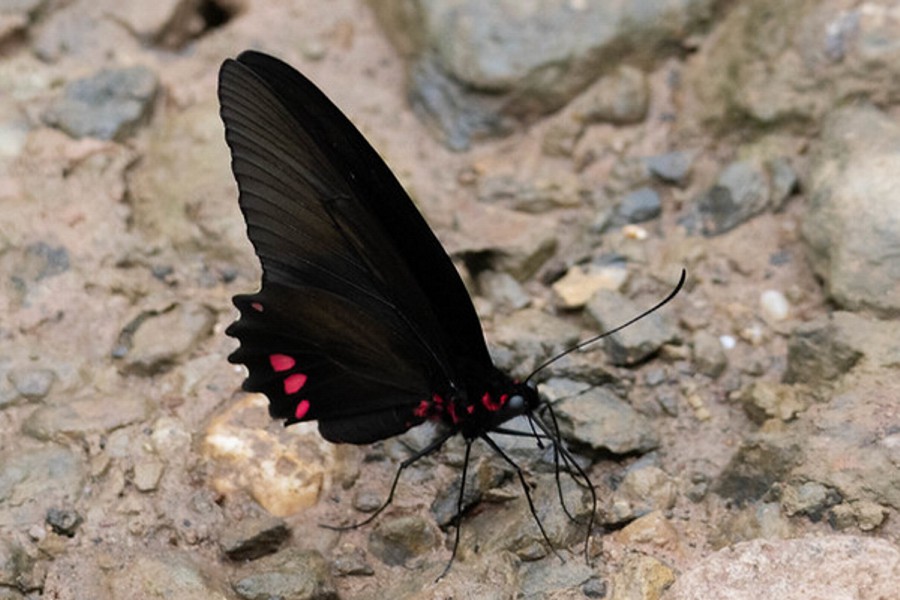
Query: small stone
column 775, row 307
column 290, row 574
column 366, row 499
column 109, row 105
column 641, row 577
column 652, row 529
column 484, row 476
column 396, row 540
column 708, row 355
column 351, row 561
column 644, row 489
column 32, row 384
column 283, row 468
column 154, row 340
column 637, row 206
column 603, row 421
column 81, row 416
column 147, row 474
column 63, row 521
column 742, row 192
column 503, row 290
column 254, row 537
column 672, row 167
column 14, row 562
column 576, row 287
column 639, row 340
column 764, row 400
column 620, row 98
column 810, row 498
column 784, row 182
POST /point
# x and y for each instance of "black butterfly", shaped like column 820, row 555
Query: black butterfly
column 362, row 322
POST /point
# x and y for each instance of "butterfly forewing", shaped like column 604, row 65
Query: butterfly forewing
column 361, row 312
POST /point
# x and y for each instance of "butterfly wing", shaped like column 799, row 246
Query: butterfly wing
column 361, row 311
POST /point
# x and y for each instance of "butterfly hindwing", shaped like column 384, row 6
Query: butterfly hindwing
column 356, row 321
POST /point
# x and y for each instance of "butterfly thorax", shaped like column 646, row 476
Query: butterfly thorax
column 483, row 405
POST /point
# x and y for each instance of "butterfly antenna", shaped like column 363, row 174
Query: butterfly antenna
column 590, row 341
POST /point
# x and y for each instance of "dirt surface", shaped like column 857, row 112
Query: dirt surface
column 134, row 428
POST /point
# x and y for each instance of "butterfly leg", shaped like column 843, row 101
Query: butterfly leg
column 524, row 483
column 570, row 461
column 432, row 447
column 459, row 510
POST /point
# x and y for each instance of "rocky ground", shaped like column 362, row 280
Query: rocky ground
column 573, row 156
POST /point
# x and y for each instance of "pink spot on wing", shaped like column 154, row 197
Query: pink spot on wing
column 256, row 306
column 282, row 362
column 470, row 408
column 293, row 383
column 302, row 409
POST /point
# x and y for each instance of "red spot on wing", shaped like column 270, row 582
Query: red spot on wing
column 421, row 410
column 256, row 306
column 293, row 383
column 470, row 408
column 282, row 362
column 492, row 405
column 302, row 409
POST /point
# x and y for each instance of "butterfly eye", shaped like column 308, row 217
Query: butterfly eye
column 516, row 403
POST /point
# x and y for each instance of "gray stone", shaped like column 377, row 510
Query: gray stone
column 853, row 219
column 528, row 336
column 64, row 521
column 601, row 420
column 644, row 489
column 784, row 65
column 480, row 64
column 834, row 566
column 351, row 561
column 708, row 355
column 14, row 563
column 482, row 476
column 82, row 416
column 396, row 540
column 254, row 537
column 506, row 240
column 35, row 480
column 784, row 180
column 638, row 341
column 109, row 105
column 810, row 498
column 637, row 206
column 32, row 384
column 671, row 167
column 154, row 341
column 620, row 98
column 762, row 460
column 503, row 290
column 291, row 574
column 821, row 351
column 741, row 192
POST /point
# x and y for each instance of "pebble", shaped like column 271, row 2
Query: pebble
column 644, row 489
column 637, row 206
column 775, row 307
column 395, row 540
column 576, row 287
column 671, row 167
column 147, row 474
column 603, row 421
column 253, row 537
column 32, row 384
column 64, row 521
column 109, row 105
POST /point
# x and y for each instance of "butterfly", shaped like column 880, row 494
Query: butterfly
column 362, row 322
